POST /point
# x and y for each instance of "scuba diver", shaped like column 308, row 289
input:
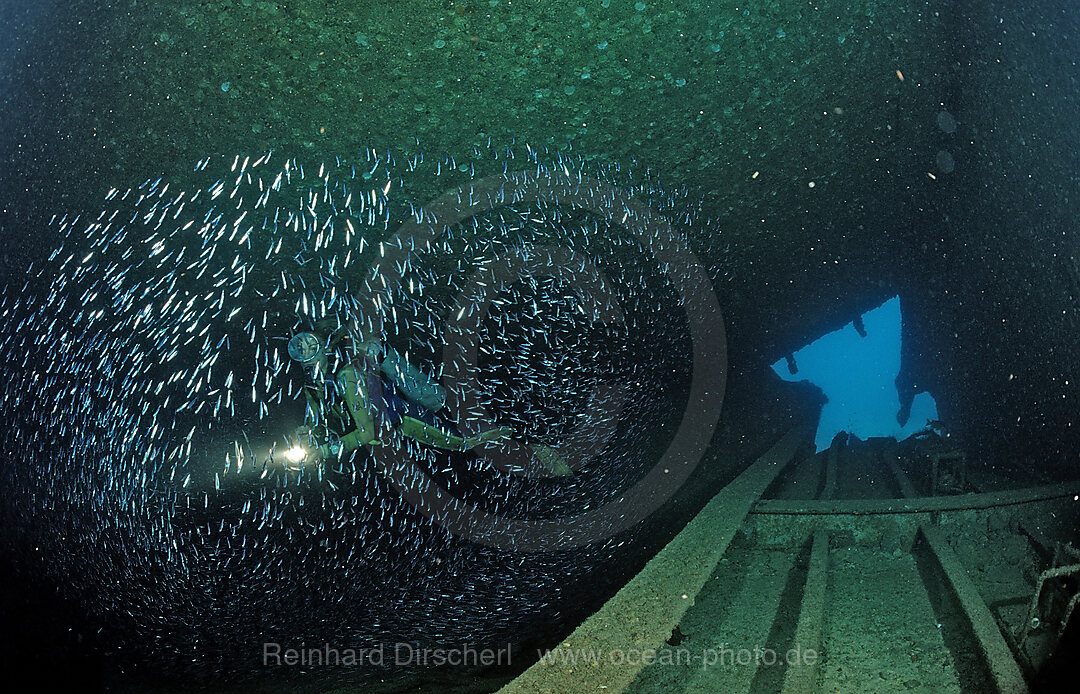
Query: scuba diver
column 379, row 387
column 371, row 390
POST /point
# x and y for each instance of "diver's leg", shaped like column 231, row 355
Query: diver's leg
column 433, row 435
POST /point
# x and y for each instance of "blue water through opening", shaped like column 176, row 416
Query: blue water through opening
column 856, row 369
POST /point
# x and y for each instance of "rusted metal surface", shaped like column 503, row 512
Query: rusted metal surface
column 643, row 614
column 1050, row 610
column 928, row 504
column 998, row 658
column 803, row 680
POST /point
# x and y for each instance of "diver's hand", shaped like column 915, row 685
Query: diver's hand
column 317, row 442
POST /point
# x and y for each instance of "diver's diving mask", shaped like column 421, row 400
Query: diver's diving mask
column 307, row 349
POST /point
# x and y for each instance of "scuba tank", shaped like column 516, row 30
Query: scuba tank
column 413, row 384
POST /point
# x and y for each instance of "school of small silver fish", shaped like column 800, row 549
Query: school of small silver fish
column 140, row 383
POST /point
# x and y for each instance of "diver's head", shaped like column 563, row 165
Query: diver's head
column 307, row 349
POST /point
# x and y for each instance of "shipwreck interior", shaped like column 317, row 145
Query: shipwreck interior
column 869, row 403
